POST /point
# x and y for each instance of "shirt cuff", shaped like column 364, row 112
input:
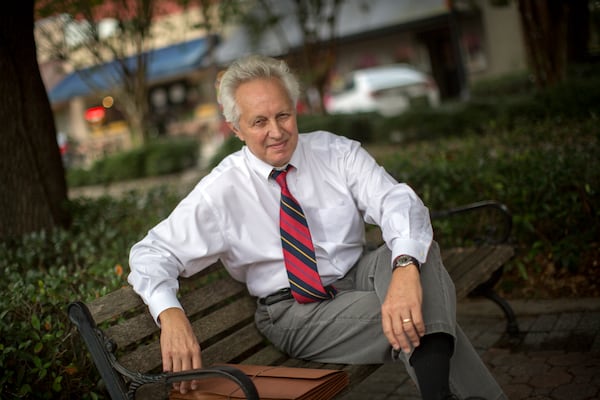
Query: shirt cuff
column 160, row 302
column 411, row 248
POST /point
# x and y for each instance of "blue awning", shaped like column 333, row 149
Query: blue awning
column 163, row 63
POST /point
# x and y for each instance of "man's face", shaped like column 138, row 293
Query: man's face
column 267, row 120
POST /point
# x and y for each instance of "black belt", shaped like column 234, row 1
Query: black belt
column 280, row 295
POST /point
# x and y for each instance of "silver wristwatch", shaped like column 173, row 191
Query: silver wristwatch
column 404, row 260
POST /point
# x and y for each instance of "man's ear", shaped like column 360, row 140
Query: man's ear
column 235, row 130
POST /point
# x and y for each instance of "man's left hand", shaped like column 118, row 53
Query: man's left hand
column 401, row 313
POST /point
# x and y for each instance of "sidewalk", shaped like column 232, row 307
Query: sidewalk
column 556, row 356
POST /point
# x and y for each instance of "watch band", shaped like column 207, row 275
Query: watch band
column 405, row 260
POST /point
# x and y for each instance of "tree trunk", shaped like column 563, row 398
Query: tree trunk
column 545, row 30
column 579, row 31
column 32, row 180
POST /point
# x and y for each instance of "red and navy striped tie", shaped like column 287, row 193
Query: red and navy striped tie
column 298, row 250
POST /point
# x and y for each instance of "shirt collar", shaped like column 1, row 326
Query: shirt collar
column 263, row 169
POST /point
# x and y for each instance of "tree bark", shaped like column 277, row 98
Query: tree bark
column 545, row 40
column 33, row 191
column 579, row 31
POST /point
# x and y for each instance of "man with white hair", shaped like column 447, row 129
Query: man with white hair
column 286, row 215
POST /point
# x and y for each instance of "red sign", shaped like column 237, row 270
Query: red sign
column 95, row 114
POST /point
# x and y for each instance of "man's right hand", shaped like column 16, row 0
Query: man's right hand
column 178, row 345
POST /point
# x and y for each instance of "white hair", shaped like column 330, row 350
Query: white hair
column 250, row 68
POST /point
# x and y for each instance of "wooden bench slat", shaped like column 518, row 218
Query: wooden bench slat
column 223, row 319
column 147, row 357
column 144, row 358
column 132, row 330
column 452, row 258
column 205, row 328
column 233, row 346
column 468, row 257
column 266, row 356
column 476, row 265
column 214, row 293
column 120, row 301
column 114, row 304
column 358, row 373
column 142, row 325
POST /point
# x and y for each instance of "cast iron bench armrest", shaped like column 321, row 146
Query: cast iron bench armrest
column 103, row 350
column 503, row 210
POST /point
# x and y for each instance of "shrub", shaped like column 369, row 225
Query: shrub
column 513, row 84
column 40, row 355
column 155, row 158
column 547, row 173
column 120, row 167
column 174, row 156
column 358, row 126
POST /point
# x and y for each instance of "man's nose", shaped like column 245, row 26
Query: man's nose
column 275, row 131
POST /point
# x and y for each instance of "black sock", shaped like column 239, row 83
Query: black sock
column 431, row 362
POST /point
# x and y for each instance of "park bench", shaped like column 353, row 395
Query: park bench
column 117, row 326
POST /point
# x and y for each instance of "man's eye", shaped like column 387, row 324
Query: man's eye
column 283, row 116
column 260, row 123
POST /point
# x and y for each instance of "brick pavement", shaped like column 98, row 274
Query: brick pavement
column 556, row 356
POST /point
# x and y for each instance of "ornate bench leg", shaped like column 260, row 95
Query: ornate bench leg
column 486, row 289
column 512, row 326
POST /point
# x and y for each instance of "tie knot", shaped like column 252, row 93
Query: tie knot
column 280, row 176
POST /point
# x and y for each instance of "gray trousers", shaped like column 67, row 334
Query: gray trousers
column 348, row 329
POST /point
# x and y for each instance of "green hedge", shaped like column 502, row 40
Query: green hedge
column 41, row 356
column 156, row 158
column 547, row 173
column 359, row 126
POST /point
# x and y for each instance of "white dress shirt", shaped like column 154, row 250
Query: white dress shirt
column 233, row 214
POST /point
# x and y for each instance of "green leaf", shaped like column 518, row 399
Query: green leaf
column 25, row 389
column 56, row 385
column 35, row 322
column 38, row 347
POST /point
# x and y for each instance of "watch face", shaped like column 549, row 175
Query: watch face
column 403, row 261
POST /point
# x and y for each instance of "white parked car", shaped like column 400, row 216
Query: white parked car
column 388, row 90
